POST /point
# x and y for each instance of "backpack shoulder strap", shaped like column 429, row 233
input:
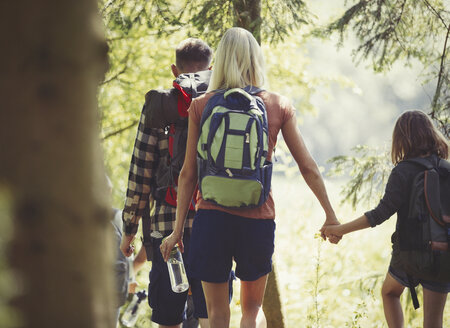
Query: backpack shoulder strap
column 424, row 163
column 146, row 233
column 444, row 164
column 252, row 90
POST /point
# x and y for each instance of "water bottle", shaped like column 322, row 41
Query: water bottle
column 177, row 273
column 133, row 310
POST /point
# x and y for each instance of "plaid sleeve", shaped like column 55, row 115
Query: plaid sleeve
column 143, row 160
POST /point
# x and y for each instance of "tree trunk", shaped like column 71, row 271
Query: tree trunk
column 51, row 163
column 248, row 16
column 272, row 306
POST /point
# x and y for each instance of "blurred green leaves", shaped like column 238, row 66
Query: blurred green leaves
column 368, row 169
column 142, row 36
column 393, row 30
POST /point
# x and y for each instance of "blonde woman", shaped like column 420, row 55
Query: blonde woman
column 221, row 235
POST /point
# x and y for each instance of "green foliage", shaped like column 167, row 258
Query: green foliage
column 314, row 317
column 207, row 19
column 282, row 18
column 9, row 281
column 368, row 169
column 392, row 30
column 139, row 60
column 142, row 36
column 277, row 18
column 388, row 31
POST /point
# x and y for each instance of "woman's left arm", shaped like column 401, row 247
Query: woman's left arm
column 308, row 168
column 187, row 181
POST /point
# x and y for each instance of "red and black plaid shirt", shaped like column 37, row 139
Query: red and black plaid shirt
column 150, row 145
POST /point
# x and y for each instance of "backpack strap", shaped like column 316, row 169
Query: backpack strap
column 413, row 293
column 433, row 195
column 422, row 162
column 146, row 231
column 253, row 90
column 444, row 166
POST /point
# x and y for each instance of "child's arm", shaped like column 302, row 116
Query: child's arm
column 340, row 230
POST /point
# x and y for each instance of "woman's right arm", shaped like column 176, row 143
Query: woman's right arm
column 308, row 168
column 187, row 181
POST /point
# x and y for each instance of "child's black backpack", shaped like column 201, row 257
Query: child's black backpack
column 424, row 236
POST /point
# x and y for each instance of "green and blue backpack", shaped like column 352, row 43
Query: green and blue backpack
column 232, row 149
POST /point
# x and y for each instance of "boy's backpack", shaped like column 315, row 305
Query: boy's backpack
column 424, row 237
column 232, row 149
column 167, row 109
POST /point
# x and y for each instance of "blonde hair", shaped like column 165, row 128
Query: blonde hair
column 415, row 135
column 239, row 61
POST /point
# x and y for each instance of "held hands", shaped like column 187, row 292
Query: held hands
column 332, row 232
column 331, row 223
column 169, row 243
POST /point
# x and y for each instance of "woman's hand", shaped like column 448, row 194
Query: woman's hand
column 169, row 243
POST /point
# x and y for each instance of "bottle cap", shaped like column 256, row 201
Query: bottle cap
column 141, row 294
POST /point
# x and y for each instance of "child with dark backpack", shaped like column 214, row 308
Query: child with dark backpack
column 418, row 190
column 232, row 131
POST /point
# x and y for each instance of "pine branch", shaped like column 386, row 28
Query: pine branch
column 435, row 12
column 119, row 131
column 115, row 76
column 441, row 73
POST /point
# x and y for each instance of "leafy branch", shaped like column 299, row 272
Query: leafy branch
column 368, row 170
column 389, row 30
column 120, row 130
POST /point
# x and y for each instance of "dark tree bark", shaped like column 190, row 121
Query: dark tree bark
column 248, row 16
column 53, row 57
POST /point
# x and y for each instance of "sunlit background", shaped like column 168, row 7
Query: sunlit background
column 346, row 105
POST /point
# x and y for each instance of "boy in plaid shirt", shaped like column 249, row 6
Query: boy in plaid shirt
column 151, row 147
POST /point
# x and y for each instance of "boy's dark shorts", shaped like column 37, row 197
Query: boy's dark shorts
column 168, row 307
column 218, row 238
column 401, row 277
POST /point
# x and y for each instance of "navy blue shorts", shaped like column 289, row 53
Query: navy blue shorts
column 168, row 307
column 218, row 238
column 401, row 277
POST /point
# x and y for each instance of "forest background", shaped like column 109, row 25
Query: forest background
column 349, row 67
column 348, row 91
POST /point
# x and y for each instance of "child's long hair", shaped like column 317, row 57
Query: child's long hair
column 238, row 61
column 415, row 136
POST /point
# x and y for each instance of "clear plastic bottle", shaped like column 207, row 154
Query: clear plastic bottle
column 177, row 273
column 133, row 310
